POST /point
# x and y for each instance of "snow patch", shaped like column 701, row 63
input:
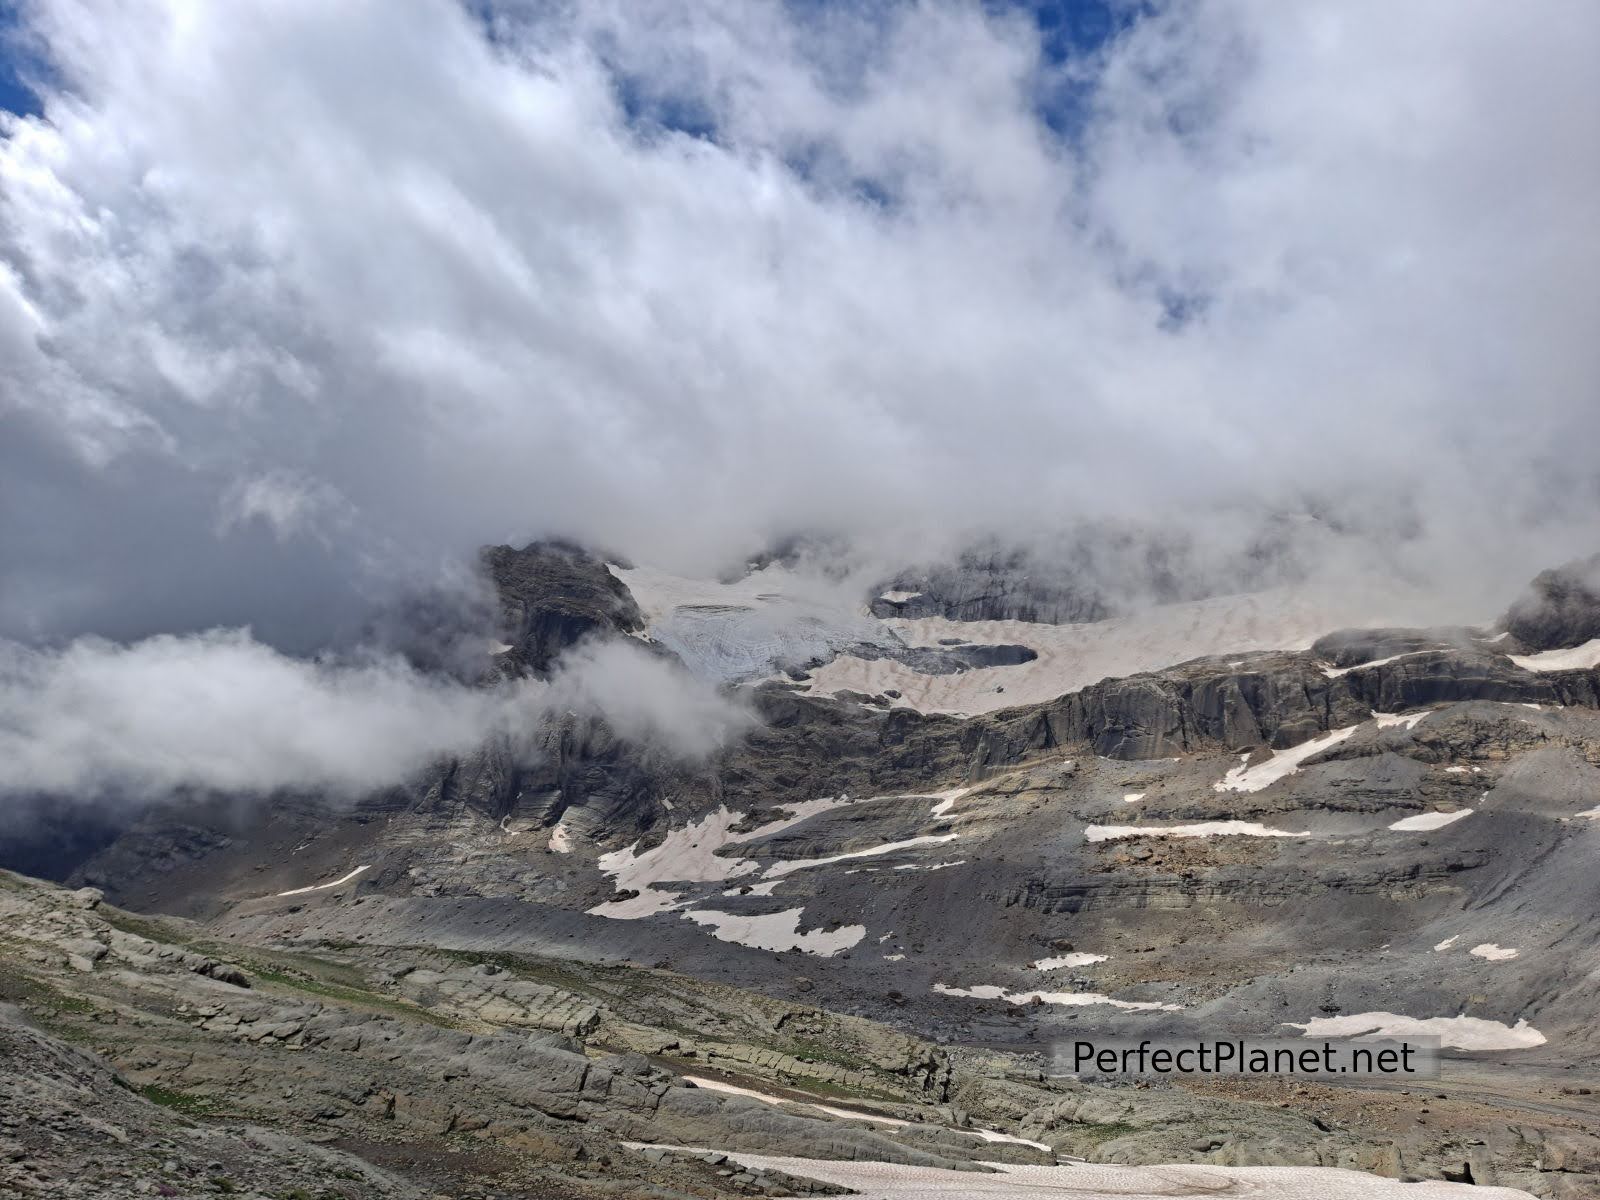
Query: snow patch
column 1108, row 833
column 1336, row 672
column 947, row 801
column 991, row 991
column 1282, row 764
column 849, row 1114
column 1408, row 720
column 1423, row 822
column 754, row 889
column 1103, row 1181
column 777, row 931
column 776, row 870
column 319, row 887
column 688, row 854
column 1493, row 952
column 894, row 597
column 1133, row 797
column 1570, row 659
column 989, row 1135
column 1462, row 1032
column 561, row 838
column 1076, row 959
column 1448, row 942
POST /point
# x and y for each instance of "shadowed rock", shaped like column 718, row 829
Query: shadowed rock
column 552, row 595
column 1561, row 607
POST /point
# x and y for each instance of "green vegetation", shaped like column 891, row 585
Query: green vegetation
column 840, row 1091
column 183, row 1102
column 348, row 995
column 154, row 928
column 535, row 970
column 43, row 1001
column 818, row 1052
column 1097, row 1132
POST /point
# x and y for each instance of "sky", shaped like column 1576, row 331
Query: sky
column 301, row 303
column 16, row 64
column 300, row 300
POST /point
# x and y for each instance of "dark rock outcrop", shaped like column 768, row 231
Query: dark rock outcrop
column 1561, row 607
column 553, row 595
column 996, row 586
column 1352, row 647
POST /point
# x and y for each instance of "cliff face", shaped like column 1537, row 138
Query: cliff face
column 1561, row 607
column 1391, row 825
column 551, row 596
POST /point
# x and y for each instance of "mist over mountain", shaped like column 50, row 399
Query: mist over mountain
column 301, row 303
column 666, row 598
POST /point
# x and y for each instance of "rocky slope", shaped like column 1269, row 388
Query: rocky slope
column 145, row 1057
column 1378, row 829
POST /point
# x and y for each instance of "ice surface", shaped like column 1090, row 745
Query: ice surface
column 751, row 627
column 1072, row 657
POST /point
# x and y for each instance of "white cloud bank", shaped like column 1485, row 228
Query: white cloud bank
column 298, row 297
column 219, row 711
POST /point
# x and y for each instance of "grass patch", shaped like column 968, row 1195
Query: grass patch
column 533, row 970
column 34, row 994
column 817, row 1052
column 348, row 995
column 1097, row 1132
column 186, row 1103
column 839, row 1091
column 153, row 928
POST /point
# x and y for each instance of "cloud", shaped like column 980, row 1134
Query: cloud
column 286, row 504
column 301, row 300
column 648, row 699
column 220, row 712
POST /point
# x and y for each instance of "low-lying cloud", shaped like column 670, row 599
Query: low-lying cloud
column 302, row 300
column 219, row 712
